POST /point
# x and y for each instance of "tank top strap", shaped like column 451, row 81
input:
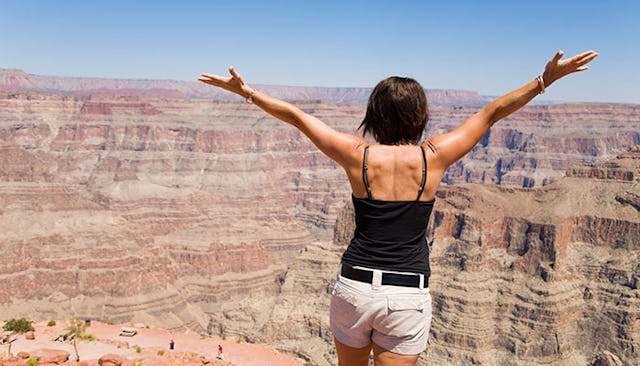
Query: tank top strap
column 365, row 169
column 424, row 173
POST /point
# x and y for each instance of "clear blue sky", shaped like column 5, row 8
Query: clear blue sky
column 487, row 46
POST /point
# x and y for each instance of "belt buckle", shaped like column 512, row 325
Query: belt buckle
column 376, row 281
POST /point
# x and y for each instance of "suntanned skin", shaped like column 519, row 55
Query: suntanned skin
column 395, row 171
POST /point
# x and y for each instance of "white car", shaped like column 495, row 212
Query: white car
column 128, row 332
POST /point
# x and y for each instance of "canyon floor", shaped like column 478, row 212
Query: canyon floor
column 151, row 346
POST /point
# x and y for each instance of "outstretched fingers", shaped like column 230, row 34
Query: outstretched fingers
column 579, row 61
column 557, row 56
column 588, row 57
column 212, row 79
column 557, row 68
column 234, row 73
column 233, row 83
column 583, row 58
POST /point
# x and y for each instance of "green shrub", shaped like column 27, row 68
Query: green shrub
column 32, row 361
column 51, row 323
column 77, row 327
column 239, row 340
column 87, row 337
column 308, row 363
column 138, row 349
column 161, row 352
column 223, row 336
column 21, row 325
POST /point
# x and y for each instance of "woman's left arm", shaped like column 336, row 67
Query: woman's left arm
column 340, row 147
column 452, row 146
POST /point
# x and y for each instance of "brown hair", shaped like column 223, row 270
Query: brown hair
column 397, row 112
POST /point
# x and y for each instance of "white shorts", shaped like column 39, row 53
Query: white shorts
column 396, row 318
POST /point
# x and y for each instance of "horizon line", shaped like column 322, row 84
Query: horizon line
column 486, row 97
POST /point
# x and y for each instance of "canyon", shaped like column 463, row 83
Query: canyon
column 171, row 204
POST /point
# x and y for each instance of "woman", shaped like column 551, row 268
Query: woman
column 381, row 300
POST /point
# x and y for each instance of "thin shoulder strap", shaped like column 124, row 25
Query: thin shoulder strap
column 424, row 173
column 365, row 169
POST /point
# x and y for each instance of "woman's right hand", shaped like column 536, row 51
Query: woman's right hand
column 557, row 68
column 452, row 146
column 234, row 83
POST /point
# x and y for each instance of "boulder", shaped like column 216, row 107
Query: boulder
column 23, row 355
column 30, row 336
column 110, row 359
column 13, row 361
column 47, row 355
column 606, row 358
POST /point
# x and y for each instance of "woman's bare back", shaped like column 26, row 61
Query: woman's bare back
column 395, row 173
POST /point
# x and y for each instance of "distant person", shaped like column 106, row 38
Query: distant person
column 171, row 344
column 220, row 353
column 381, row 300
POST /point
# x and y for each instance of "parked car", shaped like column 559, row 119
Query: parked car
column 128, row 332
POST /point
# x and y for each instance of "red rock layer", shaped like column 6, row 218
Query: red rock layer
column 211, row 215
column 545, row 276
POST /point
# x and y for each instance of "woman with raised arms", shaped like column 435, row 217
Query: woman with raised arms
column 381, row 300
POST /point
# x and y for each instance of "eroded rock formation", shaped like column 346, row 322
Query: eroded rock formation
column 210, row 215
column 13, row 80
column 545, row 276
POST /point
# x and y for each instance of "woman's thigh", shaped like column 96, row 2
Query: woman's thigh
column 349, row 356
column 383, row 357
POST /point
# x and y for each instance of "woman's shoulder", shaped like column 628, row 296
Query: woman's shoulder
column 398, row 154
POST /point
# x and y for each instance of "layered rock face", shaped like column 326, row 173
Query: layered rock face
column 540, row 276
column 530, row 148
column 545, row 276
column 536, row 145
column 122, row 208
column 12, row 80
column 208, row 214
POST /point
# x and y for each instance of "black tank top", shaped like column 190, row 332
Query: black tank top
column 390, row 235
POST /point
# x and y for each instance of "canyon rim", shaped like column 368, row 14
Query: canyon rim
column 164, row 203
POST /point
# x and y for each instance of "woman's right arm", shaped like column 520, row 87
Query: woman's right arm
column 343, row 148
column 452, row 146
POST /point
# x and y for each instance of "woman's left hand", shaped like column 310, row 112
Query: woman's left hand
column 234, row 83
column 557, row 68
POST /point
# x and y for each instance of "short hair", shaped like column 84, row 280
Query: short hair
column 397, row 112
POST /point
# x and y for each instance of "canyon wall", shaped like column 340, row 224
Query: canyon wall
column 544, row 276
column 13, row 80
column 210, row 215
column 124, row 208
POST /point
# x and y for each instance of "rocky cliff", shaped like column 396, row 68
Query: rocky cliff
column 538, row 144
column 208, row 214
column 545, row 276
column 15, row 80
column 539, row 276
column 121, row 208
